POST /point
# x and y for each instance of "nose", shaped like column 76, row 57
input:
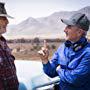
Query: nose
column 65, row 30
column 7, row 21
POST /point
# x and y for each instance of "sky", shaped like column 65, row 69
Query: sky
column 23, row 9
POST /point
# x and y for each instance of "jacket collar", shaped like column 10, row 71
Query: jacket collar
column 77, row 45
column 2, row 39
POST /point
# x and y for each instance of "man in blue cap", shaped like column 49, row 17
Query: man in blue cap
column 71, row 61
column 8, row 77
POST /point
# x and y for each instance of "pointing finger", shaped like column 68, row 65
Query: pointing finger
column 45, row 44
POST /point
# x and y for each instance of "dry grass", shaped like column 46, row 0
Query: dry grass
column 26, row 51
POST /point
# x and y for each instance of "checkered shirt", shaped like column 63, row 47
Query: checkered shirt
column 8, row 77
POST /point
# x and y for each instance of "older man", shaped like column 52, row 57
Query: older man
column 71, row 61
column 8, row 78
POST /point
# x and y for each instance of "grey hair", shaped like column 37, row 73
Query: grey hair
column 84, row 33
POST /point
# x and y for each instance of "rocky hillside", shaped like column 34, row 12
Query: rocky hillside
column 44, row 27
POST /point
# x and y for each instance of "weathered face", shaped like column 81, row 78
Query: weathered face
column 3, row 24
column 73, row 33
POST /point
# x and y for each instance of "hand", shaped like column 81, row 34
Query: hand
column 44, row 53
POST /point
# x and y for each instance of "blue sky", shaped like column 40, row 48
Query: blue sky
column 22, row 9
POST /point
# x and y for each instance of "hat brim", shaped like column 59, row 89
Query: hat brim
column 67, row 22
column 6, row 15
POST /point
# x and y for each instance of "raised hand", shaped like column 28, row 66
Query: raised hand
column 44, row 52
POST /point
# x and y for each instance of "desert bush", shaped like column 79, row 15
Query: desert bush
column 53, row 46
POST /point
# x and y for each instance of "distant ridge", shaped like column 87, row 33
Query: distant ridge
column 44, row 27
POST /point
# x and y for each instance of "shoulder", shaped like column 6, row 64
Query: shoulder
column 87, row 47
column 86, row 50
column 61, row 47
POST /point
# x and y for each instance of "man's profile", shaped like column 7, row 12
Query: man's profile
column 8, row 77
column 71, row 61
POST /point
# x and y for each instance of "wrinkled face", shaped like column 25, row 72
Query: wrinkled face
column 73, row 33
column 3, row 24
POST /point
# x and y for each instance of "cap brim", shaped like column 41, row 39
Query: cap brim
column 6, row 15
column 67, row 22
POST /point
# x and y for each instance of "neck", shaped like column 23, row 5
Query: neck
column 73, row 41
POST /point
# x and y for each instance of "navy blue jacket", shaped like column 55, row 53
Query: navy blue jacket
column 74, row 61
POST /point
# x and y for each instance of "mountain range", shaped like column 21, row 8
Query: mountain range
column 44, row 27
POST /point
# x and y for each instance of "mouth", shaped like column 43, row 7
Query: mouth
column 2, row 27
column 66, row 34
